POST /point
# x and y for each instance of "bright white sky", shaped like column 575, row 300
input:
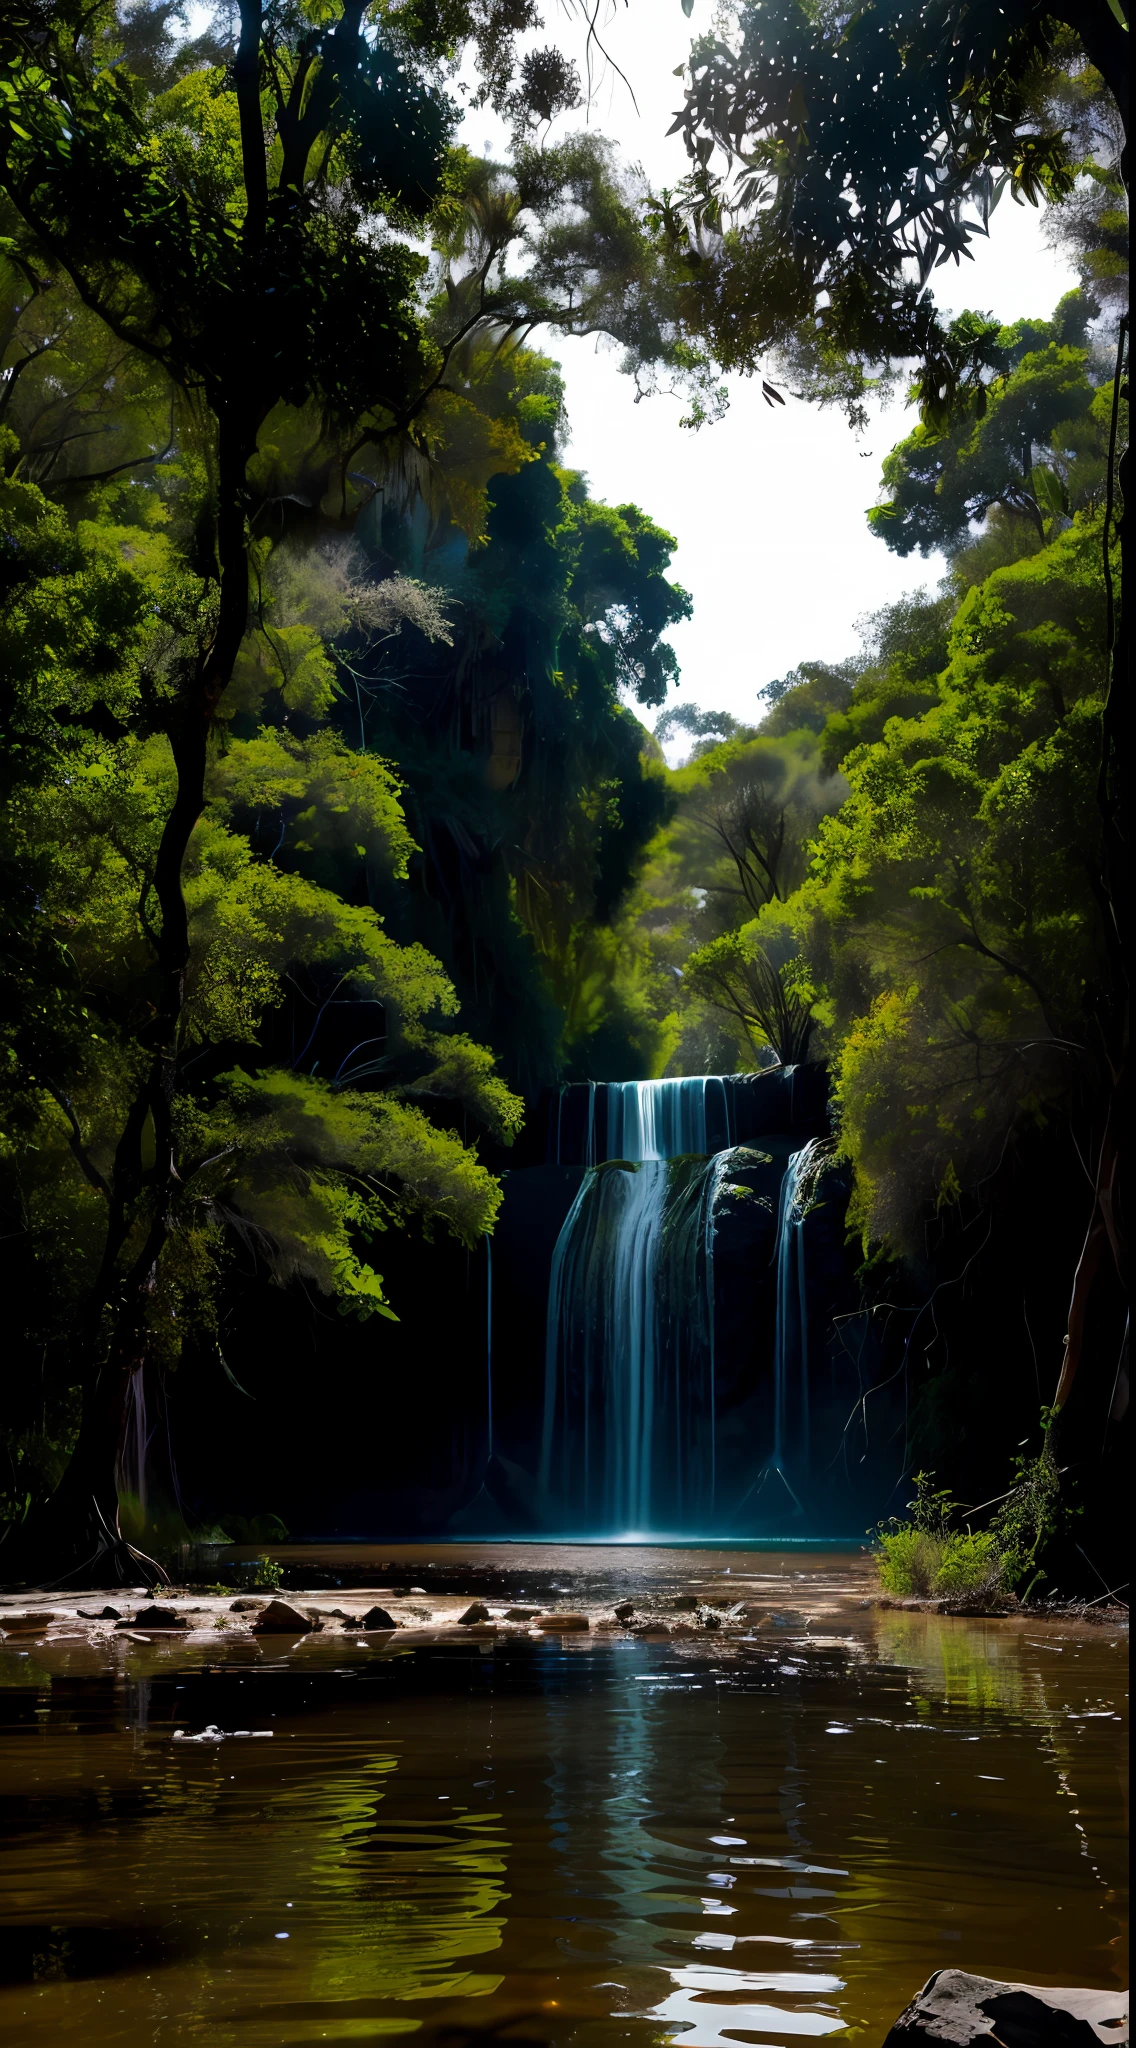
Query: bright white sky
column 768, row 506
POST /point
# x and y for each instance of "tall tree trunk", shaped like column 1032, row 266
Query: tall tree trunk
column 74, row 1537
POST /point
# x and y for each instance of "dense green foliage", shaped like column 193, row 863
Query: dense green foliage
column 225, row 1037
column 928, row 1557
column 909, row 889
column 330, row 834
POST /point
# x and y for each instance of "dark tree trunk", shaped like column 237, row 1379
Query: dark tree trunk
column 73, row 1538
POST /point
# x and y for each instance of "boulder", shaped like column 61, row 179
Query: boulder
column 375, row 1618
column 476, row 1611
column 560, row 1622
column 956, row 2010
column 156, row 1617
column 280, row 1618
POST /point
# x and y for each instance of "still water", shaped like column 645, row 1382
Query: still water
column 561, row 1841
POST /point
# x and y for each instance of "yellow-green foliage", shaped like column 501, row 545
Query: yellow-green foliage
column 921, row 1562
column 949, row 914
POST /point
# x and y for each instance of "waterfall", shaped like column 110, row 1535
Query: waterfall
column 628, row 1441
column 634, row 1429
column 664, row 1119
column 791, row 1338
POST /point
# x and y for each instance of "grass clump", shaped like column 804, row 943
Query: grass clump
column 927, row 1556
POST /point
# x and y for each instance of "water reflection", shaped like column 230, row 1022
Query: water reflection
column 562, row 1844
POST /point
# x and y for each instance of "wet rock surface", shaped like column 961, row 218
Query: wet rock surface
column 281, row 1618
column 375, row 1618
column 956, row 2010
column 156, row 1617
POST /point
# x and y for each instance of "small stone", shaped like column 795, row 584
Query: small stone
column 521, row 1613
column 376, row 1618
column 477, row 1611
column 970, row 2011
column 280, row 1618
column 560, row 1622
column 155, row 1617
column 708, row 1618
column 104, row 1614
column 246, row 1606
column 624, row 1611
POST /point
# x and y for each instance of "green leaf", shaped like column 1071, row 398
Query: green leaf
column 1049, row 490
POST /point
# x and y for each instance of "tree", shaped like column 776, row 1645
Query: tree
column 220, row 231
column 950, row 915
column 752, row 804
column 303, row 1172
column 1034, row 446
column 756, row 976
column 710, row 904
column 837, row 160
column 706, row 728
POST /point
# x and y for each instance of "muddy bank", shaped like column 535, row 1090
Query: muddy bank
column 333, row 1602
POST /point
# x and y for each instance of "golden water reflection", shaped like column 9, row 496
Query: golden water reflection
column 630, row 1842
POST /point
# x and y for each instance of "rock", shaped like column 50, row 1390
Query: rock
column 477, row 1611
column 18, row 1619
column 521, row 1613
column 956, row 2010
column 624, row 1611
column 686, row 1603
column 280, row 1618
column 561, row 1622
column 708, row 1618
column 104, row 1614
column 376, row 1618
column 246, row 1606
column 155, row 1617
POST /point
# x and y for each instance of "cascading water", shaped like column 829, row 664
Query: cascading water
column 630, row 1432
column 791, row 1337
column 665, row 1119
column 629, row 1410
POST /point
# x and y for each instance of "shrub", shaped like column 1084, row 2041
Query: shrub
column 908, row 1560
column 971, row 1564
column 925, row 1555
